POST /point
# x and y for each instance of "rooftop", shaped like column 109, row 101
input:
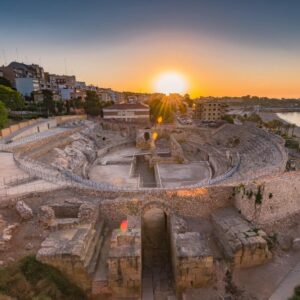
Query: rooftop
column 125, row 106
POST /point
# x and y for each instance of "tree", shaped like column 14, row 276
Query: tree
column 11, row 98
column 3, row 115
column 60, row 107
column 188, row 100
column 5, row 82
column 275, row 125
column 255, row 118
column 228, row 119
column 92, row 105
column 48, row 102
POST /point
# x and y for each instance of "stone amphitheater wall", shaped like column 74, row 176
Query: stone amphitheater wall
column 198, row 202
column 108, row 149
column 269, row 199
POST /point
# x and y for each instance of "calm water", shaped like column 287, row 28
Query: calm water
column 291, row 117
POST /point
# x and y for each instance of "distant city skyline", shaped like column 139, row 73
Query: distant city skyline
column 222, row 48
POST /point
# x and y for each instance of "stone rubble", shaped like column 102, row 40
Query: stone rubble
column 46, row 215
column 24, row 210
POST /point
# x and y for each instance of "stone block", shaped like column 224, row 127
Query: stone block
column 243, row 245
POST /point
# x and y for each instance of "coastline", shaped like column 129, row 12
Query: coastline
column 269, row 116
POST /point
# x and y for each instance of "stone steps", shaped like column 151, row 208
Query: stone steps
column 94, row 246
column 100, row 283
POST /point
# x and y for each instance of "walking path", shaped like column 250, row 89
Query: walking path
column 287, row 285
column 33, row 137
column 38, row 185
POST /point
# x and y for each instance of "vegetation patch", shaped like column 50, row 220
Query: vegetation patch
column 296, row 295
column 291, row 143
column 29, row 279
column 271, row 240
column 258, row 196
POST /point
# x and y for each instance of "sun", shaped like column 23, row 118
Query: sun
column 170, row 82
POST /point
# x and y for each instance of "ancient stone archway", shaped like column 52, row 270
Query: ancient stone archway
column 156, row 256
column 156, row 204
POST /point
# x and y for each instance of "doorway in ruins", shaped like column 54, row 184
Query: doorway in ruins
column 156, row 255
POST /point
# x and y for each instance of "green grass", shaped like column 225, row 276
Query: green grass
column 29, row 279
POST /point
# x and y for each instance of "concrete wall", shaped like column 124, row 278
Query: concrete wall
column 269, row 199
column 13, row 128
column 33, row 129
column 53, row 122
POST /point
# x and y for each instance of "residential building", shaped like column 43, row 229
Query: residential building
column 209, row 110
column 79, row 94
column 106, row 95
column 27, row 85
column 21, row 70
column 66, row 93
column 56, row 81
column 80, row 85
column 127, row 112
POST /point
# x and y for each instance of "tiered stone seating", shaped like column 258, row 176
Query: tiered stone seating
column 260, row 152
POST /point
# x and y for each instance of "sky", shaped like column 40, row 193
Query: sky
column 222, row 47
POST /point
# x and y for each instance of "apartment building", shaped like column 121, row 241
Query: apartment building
column 209, row 110
column 27, row 85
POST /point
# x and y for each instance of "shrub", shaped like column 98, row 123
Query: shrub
column 296, row 295
column 293, row 144
column 258, row 197
column 228, row 119
column 30, row 279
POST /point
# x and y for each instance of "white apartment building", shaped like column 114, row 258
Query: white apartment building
column 27, row 85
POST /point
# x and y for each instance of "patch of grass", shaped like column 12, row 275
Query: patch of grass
column 30, row 279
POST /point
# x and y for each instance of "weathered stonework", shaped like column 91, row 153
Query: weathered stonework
column 87, row 213
column 125, row 262
column 67, row 250
column 46, row 216
column 192, row 258
column 279, row 198
column 243, row 245
column 24, row 210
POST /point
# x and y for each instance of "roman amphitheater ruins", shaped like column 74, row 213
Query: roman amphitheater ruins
column 148, row 213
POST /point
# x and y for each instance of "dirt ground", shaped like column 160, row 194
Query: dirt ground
column 28, row 235
column 26, row 238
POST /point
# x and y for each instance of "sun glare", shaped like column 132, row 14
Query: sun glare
column 170, row 82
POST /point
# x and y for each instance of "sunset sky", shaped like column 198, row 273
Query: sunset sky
column 221, row 47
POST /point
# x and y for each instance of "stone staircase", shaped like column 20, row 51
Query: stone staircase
column 100, row 280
